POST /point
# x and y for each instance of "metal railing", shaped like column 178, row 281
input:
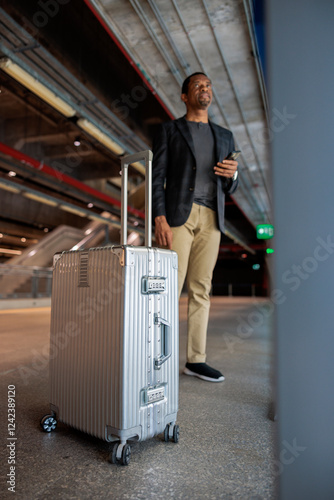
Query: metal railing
column 17, row 282
column 239, row 289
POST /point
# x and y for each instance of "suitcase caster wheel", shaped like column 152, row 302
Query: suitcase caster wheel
column 126, row 454
column 113, row 454
column 125, row 457
column 176, row 433
column 48, row 423
column 166, row 433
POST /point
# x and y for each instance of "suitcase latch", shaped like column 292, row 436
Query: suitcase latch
column 152, row 284
column 153, row 395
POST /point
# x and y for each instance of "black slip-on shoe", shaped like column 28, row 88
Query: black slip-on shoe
column 204, row 372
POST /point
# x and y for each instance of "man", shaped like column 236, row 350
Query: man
column 190, row 179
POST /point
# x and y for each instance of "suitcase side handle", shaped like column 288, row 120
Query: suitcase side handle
column 165, row 341
column 125, row 162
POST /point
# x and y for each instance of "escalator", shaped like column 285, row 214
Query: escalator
column 15, row 278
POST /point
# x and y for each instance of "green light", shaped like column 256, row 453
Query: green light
column 270, row 250
column 264, row 231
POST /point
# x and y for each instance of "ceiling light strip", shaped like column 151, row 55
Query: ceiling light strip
column 41, row 199
column 73, row 210
column 9, row 186
column 55, row 202
column 80, row 186
column 100, row 136
column 10, row 251
column 35, row 86
column 75, row 92
column 39, row 89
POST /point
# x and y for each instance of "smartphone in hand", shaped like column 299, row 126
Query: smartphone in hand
column 233, row 155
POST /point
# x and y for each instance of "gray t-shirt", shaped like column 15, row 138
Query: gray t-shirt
column 206, row 181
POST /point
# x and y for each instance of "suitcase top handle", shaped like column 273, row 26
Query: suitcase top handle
column 125, row 162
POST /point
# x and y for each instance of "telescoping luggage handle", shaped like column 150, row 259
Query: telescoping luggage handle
column 125, row 162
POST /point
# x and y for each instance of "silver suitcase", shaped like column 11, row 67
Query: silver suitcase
column 114, row 363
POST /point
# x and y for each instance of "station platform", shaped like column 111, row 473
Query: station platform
column 227, row 433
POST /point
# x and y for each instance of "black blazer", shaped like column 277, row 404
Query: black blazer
column 174, row 171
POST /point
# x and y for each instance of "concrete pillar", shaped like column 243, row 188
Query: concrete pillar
column 300, row 45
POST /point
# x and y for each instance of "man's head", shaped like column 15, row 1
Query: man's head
column 185, row 84
column 197, row 91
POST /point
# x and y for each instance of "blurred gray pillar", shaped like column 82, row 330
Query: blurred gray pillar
column 300, row 43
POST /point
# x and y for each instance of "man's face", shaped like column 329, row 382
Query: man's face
column 199, row 93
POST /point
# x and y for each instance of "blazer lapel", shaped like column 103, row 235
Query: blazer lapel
column 221, row 142
column 181, row 124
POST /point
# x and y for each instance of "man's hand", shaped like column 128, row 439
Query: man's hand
column 163, row 232
column 226, row 168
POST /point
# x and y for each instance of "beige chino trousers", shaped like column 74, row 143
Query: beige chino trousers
column 197, row 244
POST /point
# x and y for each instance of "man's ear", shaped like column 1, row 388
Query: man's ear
column 184, row 98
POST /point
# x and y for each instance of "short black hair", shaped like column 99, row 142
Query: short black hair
column 185, row 84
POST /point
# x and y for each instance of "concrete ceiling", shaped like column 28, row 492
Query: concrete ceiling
column 120, row 64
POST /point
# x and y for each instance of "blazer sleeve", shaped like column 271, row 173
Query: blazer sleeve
column 229, row 186
column 159, row 171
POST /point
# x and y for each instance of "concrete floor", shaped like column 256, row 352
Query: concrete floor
column 226, row 438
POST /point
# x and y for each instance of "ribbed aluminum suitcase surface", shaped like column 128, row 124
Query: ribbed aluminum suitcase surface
column 114, row 341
